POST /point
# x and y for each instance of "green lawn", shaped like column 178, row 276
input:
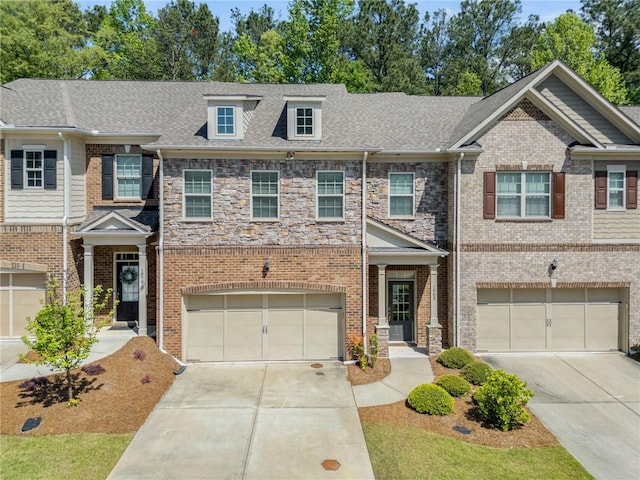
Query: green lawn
column 399, row 452
column 87, row 456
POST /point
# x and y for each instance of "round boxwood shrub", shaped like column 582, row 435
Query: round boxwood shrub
column 431, row 399
column 476, row 372
column 455, row 357
column 454, row 384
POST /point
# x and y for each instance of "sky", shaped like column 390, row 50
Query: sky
column 547, row 10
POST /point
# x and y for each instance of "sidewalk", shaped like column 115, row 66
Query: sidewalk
column 410, row 367
column 109, row 341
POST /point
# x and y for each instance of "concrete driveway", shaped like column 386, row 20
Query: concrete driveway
column 273, row 421
column 590, row 402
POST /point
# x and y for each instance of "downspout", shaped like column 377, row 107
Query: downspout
column 364, row 250
column 160, row 286
column 66, row 201
column 457, row 211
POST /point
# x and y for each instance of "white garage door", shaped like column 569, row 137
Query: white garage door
column 21, row 295
column 274, row 326
column 555, row 319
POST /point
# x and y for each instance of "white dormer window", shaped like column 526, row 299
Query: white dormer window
column 304, row 118
column 228, row 114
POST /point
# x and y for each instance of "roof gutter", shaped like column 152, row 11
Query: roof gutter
column 247, row 148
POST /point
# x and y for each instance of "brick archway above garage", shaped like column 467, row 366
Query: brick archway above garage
column 263, row 286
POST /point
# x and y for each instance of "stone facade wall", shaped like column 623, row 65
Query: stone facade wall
column 94, row 154
column 3, row 180
column 232, row 224
column 431, row 198
column 291, row 267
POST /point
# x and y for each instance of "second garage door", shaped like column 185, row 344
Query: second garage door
column 557, row 319
column 21, row 297
column 274, row 326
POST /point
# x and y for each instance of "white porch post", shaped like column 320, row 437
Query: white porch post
column 142, row 289
column 433, row 273
column 88, row 280
column 382, row 295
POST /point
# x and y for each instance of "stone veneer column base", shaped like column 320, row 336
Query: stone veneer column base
column 383, row 340
column 434, row 340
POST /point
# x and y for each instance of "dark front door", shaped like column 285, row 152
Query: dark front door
column 401, row 311
column 127, row 291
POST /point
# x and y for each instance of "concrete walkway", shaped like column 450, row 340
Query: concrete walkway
column 410, row 367
column 110, row 341
column 251, row 421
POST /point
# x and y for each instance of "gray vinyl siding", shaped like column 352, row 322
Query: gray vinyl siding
column 78, row 181
column 33, row 205
column 576, row 108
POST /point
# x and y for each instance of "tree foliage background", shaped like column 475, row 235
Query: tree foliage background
column 369, row 45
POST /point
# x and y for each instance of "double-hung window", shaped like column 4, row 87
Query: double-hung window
column 264, row 194
column 304, row 121
column 225, row 124
column 330, row 190
column 33, row 168
column 128, row 176
column 401, row 195
column 197, row 193
column 616, row 187
column 524, row 194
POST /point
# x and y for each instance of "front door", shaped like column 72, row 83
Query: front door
column 401, row 311
column 127, row 287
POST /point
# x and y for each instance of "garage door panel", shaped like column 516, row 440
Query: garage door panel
column 205, row 336
column 5, row 321
column 243, row 335
column 21, row 297
column 528, row 327
column 602, row 326
column 568, row 327
column 321, row 334
column 286, row 333
column 493, row 327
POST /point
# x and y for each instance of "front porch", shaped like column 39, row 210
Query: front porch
column 119, row 253
column 403, row 289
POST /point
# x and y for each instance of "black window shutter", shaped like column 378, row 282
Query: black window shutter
column 107, row 177
column 17, row 177
column 147, row 176
column 50, row 170
column 632, row 189
column 601, row 190
column 558, row 195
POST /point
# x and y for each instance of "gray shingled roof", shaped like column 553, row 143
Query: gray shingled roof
column 633, row 112
column 177, row 112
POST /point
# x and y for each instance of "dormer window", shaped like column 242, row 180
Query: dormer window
column 304, row 118
column 227, row 114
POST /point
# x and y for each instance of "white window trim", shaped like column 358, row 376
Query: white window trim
column 293, row 104
column 413, row 195
column 277, row 195
column 117, row 197
column 618, row 169
column 185, row 195
column 318, row 196
column 26, row 169
column 523, row 195
column 212, row 119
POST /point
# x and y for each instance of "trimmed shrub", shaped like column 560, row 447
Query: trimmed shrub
column 476, row 372
column 501, row 400
column 455, row 357
column 454, row 384
column 430, row 399
column 93, row 369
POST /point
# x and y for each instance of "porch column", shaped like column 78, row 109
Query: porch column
column 88, row 280
column 382, row 295
column 142, row 290
column 433, row 274
column 434, row 329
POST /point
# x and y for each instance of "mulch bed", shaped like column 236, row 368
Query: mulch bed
column 116, row 401
column 532, row 434
column 357, row 376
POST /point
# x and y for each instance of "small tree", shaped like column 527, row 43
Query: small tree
column 65, row 332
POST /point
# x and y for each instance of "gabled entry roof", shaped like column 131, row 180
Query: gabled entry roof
column 119, row 226
column 389, row 246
